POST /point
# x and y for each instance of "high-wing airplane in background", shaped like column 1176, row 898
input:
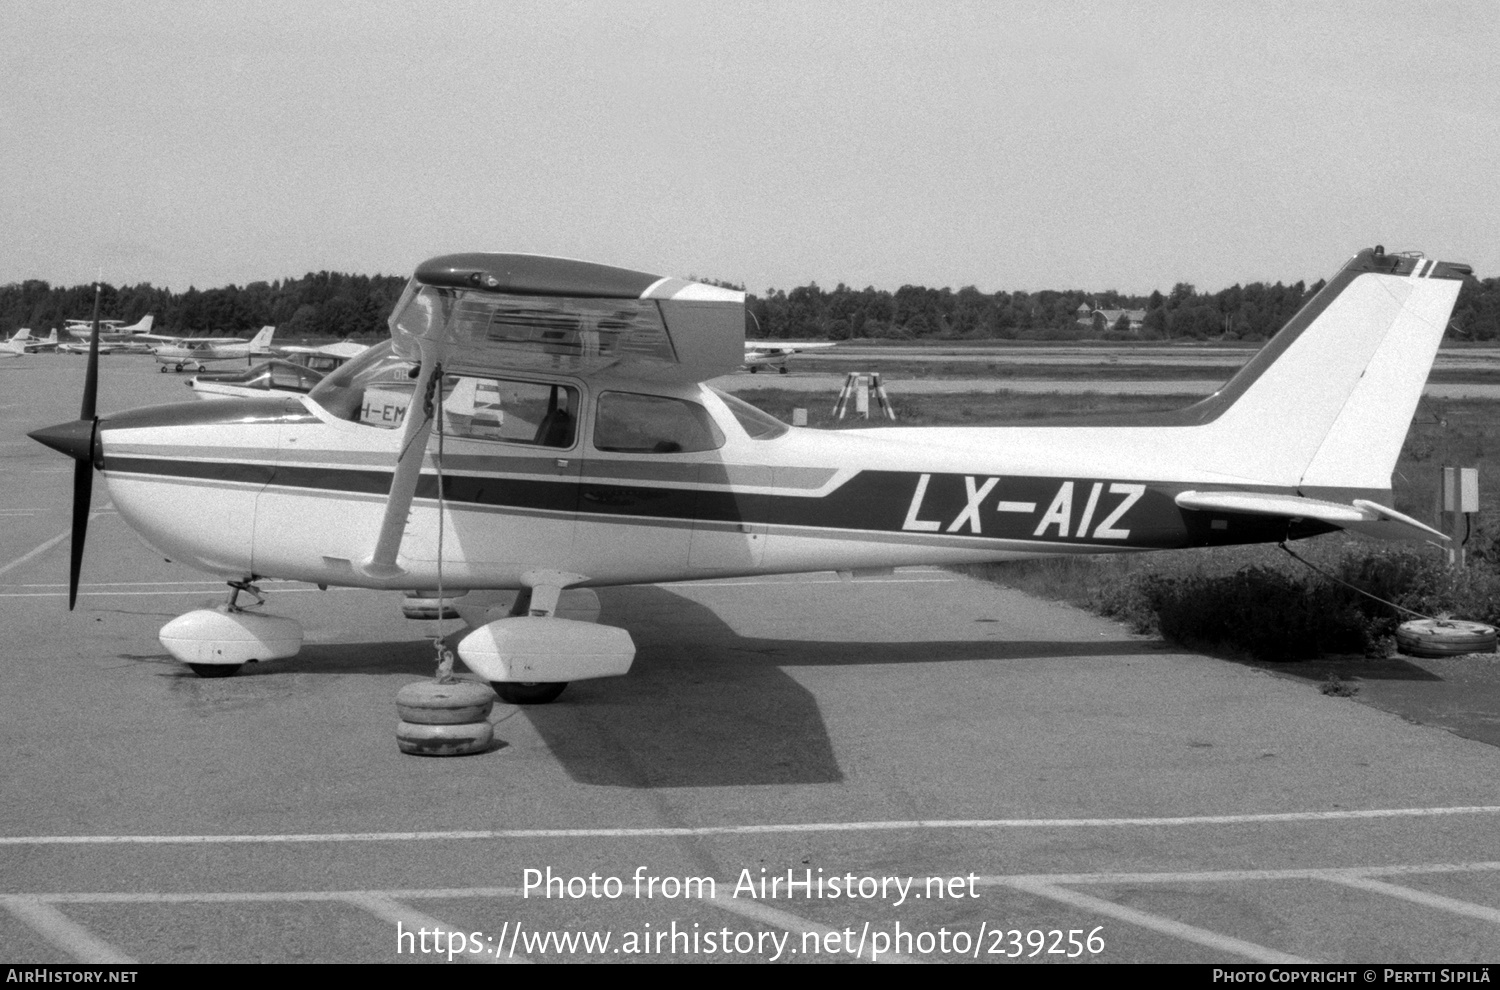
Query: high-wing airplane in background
column 764, row 354
column 537, row 427
column 296, row 372
column 23, row 339
column 110, row 331
column 114, row 336
column 196, row 352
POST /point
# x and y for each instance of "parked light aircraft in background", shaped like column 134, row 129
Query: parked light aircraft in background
column 114, row 336
column 537, row 427
column 31, row 345
column 764, row 354
column 296, row 373
column 196, row 352
column 110, row 331
column 274, row 376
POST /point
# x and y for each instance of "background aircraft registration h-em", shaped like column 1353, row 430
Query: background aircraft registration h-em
column 538, row 427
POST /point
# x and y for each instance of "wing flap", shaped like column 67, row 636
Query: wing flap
column 1362, row 516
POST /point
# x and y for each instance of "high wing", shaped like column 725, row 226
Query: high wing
column 159, row 338
column 523, row 312
column 754, row 347
column 343, row 349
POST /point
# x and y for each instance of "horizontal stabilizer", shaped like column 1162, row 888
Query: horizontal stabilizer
column 1363, row 517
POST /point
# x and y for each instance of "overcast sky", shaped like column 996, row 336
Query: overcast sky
column 1006, row 145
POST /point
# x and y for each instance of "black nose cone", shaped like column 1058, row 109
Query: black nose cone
column 76, row 439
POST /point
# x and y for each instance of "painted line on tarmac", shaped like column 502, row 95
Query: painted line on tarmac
column 40, row 911
column 1449, row 904
column 1337, row 874
column 36, row 552
column 391, row 910
column 677, row 832
column 756, row 911
column 50, row 543
column 196, row 583
column 748, row 584
column 63, row 932
column 1167, row 926
column 1334, row 874
column 269, row 897
column 139, row 594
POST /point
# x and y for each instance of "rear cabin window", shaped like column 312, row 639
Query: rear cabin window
column 630, row 423
column 757, row 423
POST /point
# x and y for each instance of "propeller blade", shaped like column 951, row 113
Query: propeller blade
column 91, row 376
column 83, row 493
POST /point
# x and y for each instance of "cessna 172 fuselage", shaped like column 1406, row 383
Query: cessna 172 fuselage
column 544, row 425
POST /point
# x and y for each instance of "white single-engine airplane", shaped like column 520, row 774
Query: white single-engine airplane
column 295, row 373
column 195, row 352
column 540, row 427
column 27, row 344
column 114, row 336
column 764, row 354
column 110, row 331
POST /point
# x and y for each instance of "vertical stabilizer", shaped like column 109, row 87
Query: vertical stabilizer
column 1328, row 401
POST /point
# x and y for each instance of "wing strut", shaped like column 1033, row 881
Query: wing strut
column 415, row 430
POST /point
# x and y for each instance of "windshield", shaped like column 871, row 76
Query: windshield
column 375, row 388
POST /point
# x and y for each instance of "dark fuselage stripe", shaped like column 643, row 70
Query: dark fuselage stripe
column 1071, row 512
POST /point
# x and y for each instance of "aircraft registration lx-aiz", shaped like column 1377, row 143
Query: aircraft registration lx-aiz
column 536, row 427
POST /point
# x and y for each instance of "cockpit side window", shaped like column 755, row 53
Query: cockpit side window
column 538, row 413
column 630, row 423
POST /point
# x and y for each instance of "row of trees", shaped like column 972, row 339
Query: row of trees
column 322, row 304
column 914, row 312
column 329, row 304
column 1240, row 312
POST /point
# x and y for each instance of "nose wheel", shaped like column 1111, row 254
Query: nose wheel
column 217, row 642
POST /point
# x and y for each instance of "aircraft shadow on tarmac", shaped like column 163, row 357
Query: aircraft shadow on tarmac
column 706, row 707
column 702, row 706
